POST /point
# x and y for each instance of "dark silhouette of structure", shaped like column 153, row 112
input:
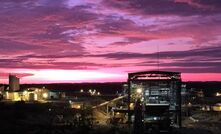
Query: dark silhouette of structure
column 138, row 121
column 13, row 83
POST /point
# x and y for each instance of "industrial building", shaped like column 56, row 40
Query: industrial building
column 14, row 93
column 159, row 94
column 32, row 94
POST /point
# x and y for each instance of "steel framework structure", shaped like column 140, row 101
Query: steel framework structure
column 156, row 87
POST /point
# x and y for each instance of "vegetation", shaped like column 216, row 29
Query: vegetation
column 47, row 118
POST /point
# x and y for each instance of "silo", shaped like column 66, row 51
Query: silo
column 13, row 83
column 31, row 97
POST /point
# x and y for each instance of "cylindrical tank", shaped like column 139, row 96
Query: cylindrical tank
column 31, row 97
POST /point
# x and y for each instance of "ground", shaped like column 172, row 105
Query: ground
column 20, row 118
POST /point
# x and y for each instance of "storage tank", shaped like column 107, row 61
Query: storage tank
column 31, row 97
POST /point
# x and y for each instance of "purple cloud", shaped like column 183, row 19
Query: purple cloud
column 111, row 35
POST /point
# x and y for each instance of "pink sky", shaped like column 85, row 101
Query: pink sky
column 45, row 41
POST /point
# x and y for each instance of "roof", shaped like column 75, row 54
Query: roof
column 154, row 72
column 154, row 75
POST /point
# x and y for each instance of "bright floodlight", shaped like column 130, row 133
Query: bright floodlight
column 25, row 92
column 139, row 90
column 45, row 95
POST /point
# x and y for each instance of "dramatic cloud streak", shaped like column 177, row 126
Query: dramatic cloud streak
column 109, row 38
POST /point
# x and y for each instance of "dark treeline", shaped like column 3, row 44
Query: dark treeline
column 106, row 88
column 209, row 88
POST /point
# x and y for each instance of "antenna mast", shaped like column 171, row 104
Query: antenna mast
column 158, row 57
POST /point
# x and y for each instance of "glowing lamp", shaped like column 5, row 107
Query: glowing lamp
column 25, row 92
column 78, row 106
column 131, row 105
column 139, row 90
column 45, row 95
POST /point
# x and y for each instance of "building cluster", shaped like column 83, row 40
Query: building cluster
column 14, row 93
column 76, row 100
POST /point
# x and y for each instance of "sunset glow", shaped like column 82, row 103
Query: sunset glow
column 47, row 41
column 70, row 76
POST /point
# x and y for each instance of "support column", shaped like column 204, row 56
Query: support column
column 128, row 101
column 107, row 110
column 179, row 103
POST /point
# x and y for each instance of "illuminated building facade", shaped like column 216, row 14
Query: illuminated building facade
column 31, row 94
